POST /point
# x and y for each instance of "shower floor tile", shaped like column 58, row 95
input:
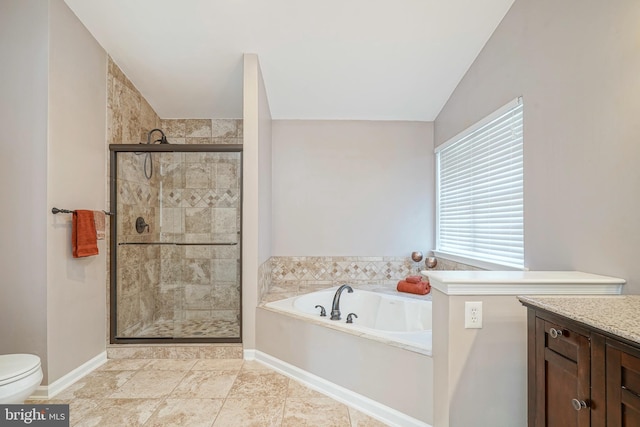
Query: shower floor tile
column 192, row 329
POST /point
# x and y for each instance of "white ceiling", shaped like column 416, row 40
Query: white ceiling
column 330, row 59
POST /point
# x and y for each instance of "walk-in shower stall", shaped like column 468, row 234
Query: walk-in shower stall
column 175, row 243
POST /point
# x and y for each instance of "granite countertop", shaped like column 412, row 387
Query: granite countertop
column 618, row 315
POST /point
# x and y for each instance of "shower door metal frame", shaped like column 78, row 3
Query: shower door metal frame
column 113, row 271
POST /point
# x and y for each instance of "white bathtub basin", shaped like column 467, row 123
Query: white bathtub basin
column 397, row 320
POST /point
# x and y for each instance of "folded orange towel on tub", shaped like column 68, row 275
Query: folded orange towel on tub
column 413, row 279
column 421, row 288
column 83, row 234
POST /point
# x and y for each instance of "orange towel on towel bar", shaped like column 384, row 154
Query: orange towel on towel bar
column 83, row 234
column 421, row 288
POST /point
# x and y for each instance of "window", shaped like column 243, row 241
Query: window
column 479, row 206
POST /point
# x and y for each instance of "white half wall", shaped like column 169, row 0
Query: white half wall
column 345, row 188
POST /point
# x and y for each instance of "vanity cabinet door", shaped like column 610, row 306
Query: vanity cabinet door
column 623, row 385
column 563, row 379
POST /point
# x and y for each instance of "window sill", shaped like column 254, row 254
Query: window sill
column 485, row 265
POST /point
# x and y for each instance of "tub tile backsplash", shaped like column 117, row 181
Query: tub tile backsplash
column 282, row 277
column 336, row 270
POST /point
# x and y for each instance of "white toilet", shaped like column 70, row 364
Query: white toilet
column 20, row 376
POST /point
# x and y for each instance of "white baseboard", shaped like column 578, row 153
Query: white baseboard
column 249, row 354
column 362, row 403
column 44, row 392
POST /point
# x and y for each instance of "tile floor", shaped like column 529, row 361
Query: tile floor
column 200, row 392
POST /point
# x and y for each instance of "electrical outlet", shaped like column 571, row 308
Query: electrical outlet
column 473, row 314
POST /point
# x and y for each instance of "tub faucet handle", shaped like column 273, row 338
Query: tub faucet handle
column 350, row 317
column 323, row 312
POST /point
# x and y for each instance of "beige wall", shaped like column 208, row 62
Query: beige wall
column 76, row 301
column 23, row 177
column 577, row 65
column 256, row 200
column 54, row 79
column 346, row 188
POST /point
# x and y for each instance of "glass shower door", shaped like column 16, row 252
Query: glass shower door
column 177, row 246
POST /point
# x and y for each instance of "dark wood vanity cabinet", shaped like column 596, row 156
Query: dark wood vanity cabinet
column 566, row 378
column 623, row 384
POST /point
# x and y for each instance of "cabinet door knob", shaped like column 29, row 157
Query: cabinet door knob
column 555, row 333
column 578, row 404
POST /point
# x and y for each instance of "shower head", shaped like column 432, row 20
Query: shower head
column 162, row 140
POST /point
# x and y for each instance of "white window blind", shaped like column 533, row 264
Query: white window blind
column 480, row 190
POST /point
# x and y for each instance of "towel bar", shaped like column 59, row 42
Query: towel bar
column 57, row 211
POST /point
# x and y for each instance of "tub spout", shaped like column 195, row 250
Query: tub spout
column 335, row 307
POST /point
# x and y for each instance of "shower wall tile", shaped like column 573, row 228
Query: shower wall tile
column 148, row 121
column 225, row 220
column 171, row 272
column 198, row 140
column 226, row 175
column 147, row 307
column 174, row 128
column 198, row 175
column 172, row 173
column 240, row 125
column 197, row 271
column 172, row 221
column 197, row 237
column 225, row 296
column 197, row 128
column 129, row 115
column 197, row 220
column 198, row 297
column 225, row 252
column 199, row 252
column 226, row 141
column 224, row 128
column 126, row 114
column 128, row 281
column 196, row 314
column 224, row 270
column 166, row 302
column 128, row 309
